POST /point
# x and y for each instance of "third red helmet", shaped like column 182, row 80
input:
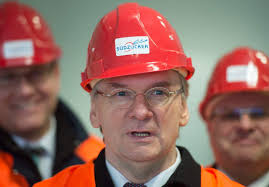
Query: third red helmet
column 243, row 69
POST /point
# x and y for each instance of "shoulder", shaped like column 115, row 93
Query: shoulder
column 212, row 177
column 90, row 148
column 77, row 175
column 8, row 176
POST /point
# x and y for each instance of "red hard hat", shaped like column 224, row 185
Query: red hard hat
column 243, row 69
column 133, row 39
column 25, row 37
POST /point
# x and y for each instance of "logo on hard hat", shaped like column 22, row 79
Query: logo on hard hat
column 132, row 45
column 243, row 73
column 18, row 49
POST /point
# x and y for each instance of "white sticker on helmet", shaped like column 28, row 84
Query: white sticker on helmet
column 243, row 73
column 132, row 45
column 18, row 49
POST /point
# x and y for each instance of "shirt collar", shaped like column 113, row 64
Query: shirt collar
column 262, row 181
column 47, row 141
column 159, row 180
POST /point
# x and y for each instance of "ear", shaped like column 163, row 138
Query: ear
column 94, row 116
column 184, row 114
column 208, row 114
column 57, row 69
column 209, row 125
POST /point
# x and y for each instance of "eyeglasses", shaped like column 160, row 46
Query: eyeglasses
column 36, row 74
column 124, row 98
column 255, row 113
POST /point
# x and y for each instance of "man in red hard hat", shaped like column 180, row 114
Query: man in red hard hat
column 37, row 130
column 136, row 74
column 236, row 111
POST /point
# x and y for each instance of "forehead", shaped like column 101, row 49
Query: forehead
column 162, row 78
column 241, row 99
column 15, row 70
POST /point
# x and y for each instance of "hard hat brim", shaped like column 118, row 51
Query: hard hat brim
column 149, row 67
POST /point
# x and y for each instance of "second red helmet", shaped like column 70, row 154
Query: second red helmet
column 25, row 37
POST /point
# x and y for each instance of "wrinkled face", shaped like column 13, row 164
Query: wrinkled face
column 239, row 127
column 28, row 97
column 139, row 132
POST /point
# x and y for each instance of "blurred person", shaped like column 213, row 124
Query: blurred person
column 236, row 111
column 136, row 74
column 37, row 129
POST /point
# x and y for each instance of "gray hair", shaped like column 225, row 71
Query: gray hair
column 185, row 86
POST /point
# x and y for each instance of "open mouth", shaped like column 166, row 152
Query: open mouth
column 140, row 134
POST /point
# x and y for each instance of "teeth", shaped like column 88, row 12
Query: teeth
column 141, row 134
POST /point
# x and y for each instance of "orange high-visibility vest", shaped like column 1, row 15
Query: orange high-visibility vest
column 90, row 148
column 9, row 178
column 83, row 176
column 87, row 151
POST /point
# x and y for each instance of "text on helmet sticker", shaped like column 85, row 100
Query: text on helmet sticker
column 18, row 49
column 243, row 73
column 132, row 45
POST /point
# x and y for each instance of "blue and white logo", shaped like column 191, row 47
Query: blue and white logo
column 18, row 49
column 132, row 45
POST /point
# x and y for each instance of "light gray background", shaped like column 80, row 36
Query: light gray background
column 207, row 29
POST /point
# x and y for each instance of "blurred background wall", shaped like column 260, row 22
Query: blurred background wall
column 207, row 30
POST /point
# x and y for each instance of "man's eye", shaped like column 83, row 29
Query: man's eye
column 122, row 93
column 35, row 74
column 7, row 77
column 256, row 115
column 159, row 93
column 231, row 116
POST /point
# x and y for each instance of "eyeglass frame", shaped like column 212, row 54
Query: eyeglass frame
column 254, row 113
column 46, row 71
column 176, row 92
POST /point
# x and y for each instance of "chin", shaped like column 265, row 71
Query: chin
column 143, row 155
column 29, row 124
column 142, row 158
column 243, row 157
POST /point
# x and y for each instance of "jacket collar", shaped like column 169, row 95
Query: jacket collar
column 188, row 173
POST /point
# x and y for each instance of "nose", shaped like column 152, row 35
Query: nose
column 24, row 87
column 245, row 122
column 140, row 109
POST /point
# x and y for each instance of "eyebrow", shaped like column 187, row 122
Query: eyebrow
column 157, row 84
column 19, row 70
column 162, row 84
column 116, row 85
